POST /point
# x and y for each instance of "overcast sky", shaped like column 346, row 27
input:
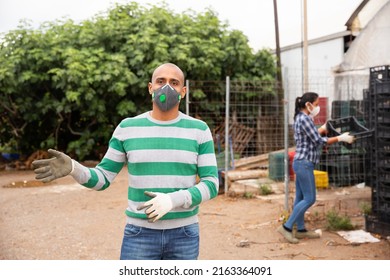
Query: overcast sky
column 255, row 18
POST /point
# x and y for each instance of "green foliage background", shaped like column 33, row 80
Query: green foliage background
column 67, row 85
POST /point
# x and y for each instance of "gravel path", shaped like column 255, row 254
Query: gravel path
column 64, row 221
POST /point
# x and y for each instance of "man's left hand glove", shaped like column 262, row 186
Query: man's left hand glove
column 158, row 206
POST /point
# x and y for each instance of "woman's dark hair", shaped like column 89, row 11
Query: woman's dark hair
column 300, row 102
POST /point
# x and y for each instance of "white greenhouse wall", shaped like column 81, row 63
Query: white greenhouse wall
column 323, row 56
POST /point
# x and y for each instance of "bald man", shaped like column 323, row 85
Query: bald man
column 165, row 151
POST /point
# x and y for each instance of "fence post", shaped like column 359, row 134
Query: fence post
column 188, row 97
column 286, row 158
column 227, row 132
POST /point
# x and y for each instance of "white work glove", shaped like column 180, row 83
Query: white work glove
column 50, row 169
column 346, row 137
column 324, row 127
column 158, row 206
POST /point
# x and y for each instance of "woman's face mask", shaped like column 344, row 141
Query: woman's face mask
column 314, row 111
column 166, row 97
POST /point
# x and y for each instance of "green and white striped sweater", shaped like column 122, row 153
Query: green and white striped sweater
column 161, row 156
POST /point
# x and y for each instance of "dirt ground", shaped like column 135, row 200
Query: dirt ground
column 64, row 221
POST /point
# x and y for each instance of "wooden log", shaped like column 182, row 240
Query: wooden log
column 242, row 187
column 250, row 160
column 255, row 165
column 234, row 175
column 255, row 161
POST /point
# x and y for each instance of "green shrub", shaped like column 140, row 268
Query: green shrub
column 248, row 195
column 337, row 222
column 265, row 190
column 67, row 85
column 365, row 207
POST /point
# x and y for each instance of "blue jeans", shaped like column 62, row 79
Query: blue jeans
column 305, row 192
column 141, row 243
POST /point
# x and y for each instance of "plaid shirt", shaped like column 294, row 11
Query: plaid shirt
column 307, row 139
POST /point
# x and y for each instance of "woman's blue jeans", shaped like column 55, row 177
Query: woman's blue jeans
column 141, row 243
column 305, row 192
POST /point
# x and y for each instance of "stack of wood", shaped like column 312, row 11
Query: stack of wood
column 246, row 171
column 249, row 168
column 240, row 135
column 249, row 173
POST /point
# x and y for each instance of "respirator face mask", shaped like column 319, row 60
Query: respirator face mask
column 166, row 97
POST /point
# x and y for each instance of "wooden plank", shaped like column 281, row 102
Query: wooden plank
column 255, row 165
column 252, row 162
column 234, row 175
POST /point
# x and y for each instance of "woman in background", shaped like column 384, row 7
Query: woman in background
column 308, row 141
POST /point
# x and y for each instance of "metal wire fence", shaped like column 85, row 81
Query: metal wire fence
column 246, row 119
column 255, row 120
column 254, row 116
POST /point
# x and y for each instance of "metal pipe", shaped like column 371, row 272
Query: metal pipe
column 188, row 97
column 227, row 132
column 286, row 158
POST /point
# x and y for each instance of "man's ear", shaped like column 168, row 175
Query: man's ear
column 150, row 88
column 183, row 92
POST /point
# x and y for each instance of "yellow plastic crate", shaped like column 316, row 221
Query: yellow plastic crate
column 321, row 178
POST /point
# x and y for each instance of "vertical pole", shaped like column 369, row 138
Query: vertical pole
column 279, row 78
column 286, row 159
column 227, row 133
column 305, row 50
column 188, row 97
column 278, row 56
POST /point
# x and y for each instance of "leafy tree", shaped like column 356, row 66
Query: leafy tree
column 68, row 85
